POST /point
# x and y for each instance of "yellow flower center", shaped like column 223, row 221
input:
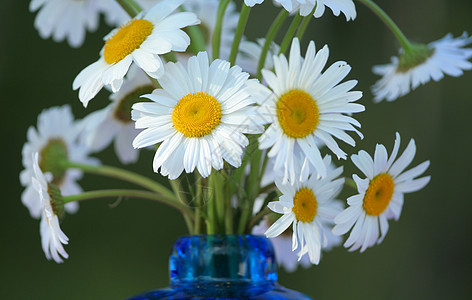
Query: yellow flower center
column 304, row 205
column 378, row 195
column 127, row 39
column 197, row 114
column 298, row 113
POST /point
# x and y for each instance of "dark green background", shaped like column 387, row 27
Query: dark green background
column 118, row 252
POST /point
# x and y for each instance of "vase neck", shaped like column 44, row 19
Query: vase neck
column 218, row 259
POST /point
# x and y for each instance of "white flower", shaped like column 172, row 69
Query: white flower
column 305, row 7
column 346, row 7
column 52, row 236
column 307, row 206
column 200, row 116
column 55, row 139
column 306, row 108
column 141, row 41
column 114, row 121
column 380, row 195
column 284, row 255
column 70, row 19
column 445, row 56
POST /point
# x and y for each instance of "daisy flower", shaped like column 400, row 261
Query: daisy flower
column 55, row 139
column 306, row 107
column 380, row 195
column 114, row 121
column 70, row 19
column 141, row 41
column 305, row 7
column 346, row 7
column 445, row 56
column 52, row 237
column 307, row 206
column 200, row 115
column 284, row 255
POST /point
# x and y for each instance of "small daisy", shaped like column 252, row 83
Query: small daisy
column 307, row 206
column 70, row 19
column 141, row 41
column 52, row 237
column 55, row 139
column 284, row 255
column 445, row 56
column 305, row 7
column 305, row 108
column 346, row 7
column 114, row 121
column 200, row 116
column 380, row 195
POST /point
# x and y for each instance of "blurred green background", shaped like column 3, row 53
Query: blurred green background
column 117, row 251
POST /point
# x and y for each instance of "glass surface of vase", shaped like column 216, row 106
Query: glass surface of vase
column 222, row 267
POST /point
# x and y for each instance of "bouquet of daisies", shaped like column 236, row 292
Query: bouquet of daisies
column 249, row 136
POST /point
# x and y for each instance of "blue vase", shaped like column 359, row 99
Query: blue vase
column 222, row 267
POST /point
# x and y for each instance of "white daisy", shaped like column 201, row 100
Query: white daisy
column 55, row 139
column 52, row 237
column 141, row 40
column 306, row 107
column 380, row 194
column 70, row 19
column 200, row 116
column 305, row 7
column 284, row 255
column 346, row 7
column 114, row 121
column 445, row 56
column 307, row 206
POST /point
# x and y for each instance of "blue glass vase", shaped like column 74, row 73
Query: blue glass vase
column 222, row 267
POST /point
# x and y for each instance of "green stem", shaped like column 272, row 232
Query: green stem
column 274, row 28
column 211, row 221
column 131, row 7
column 186, row 211
column 219, row 198
column 216, row 38
column 124, row 175
column 243, row 17
column 290, row 33
column 199, row 201
column 303, row 26
column 390, row 24
column 179, row 192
